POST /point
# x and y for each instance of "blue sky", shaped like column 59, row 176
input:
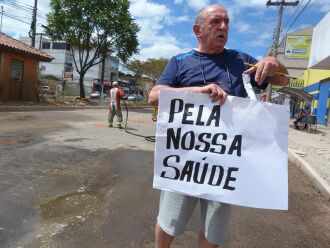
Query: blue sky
column 166, row 26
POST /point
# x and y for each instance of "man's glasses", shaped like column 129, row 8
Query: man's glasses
column 228, row 84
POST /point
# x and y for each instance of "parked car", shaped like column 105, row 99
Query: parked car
column 96, row 95
column 139, row 97
column 44, row 89
column 132, row 97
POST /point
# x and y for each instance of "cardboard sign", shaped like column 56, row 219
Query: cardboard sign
column 236, row 153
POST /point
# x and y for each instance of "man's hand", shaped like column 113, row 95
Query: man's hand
column 265, row 67
column 214, row 91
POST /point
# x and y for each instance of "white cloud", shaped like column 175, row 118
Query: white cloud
column 197, row 4
column 263, row 39
column 171, row 20
column 153, row 19
column 178, row 1
column 243, row 27
column 18, row 28
column 323, row 5
column 184, row 18
column 145, row 8
column 160, row 50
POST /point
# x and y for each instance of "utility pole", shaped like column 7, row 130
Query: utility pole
column 281, row 4
column 32, row 32
column 104, row 55
column 1, row 19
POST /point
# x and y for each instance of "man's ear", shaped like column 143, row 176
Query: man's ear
column 196, row 29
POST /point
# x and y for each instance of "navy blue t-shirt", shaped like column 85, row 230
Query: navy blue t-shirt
column 225, row 69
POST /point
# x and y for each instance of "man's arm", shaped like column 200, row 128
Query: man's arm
column 213, row 90
column 121, row 93
column 270, row 66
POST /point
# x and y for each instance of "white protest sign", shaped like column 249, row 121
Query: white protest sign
column 236, row 153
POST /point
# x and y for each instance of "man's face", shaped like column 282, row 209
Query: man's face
column 213, row 32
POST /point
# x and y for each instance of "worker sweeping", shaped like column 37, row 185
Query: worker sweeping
column 114, row 108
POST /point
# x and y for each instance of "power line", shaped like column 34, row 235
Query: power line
column 294, row 12
column 281, row 5
column 295, row 19
column 33, row 29
column 17, row 7
column 18, row 4
column 15, row 18
column 1, row 18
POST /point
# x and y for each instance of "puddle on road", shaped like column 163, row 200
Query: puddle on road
column 59, row 215
column 71, row 205
column 90, row 201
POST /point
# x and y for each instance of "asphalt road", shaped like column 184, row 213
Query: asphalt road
column 67, row 180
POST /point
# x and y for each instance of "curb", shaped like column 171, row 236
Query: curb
column 318, row 181
column 46, row 108
column 56, row 108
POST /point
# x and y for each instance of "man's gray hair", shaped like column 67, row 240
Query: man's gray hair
column 200, row 16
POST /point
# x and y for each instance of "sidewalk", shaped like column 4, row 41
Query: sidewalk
column 310, row 152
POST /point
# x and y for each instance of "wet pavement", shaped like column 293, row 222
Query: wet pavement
column 67, row 180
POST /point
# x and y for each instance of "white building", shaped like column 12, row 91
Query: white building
column 63, row 68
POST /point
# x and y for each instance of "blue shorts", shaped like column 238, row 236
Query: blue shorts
column 175, row 210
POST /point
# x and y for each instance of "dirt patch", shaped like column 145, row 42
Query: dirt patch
column 75, row 140
column 16, row 118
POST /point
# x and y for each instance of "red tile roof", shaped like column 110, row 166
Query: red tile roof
column 9, row 43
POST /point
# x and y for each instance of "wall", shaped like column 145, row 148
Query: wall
column 1, row 74
column 56, row 67
column 27, row 89
column 312, row 76
column 63, row 57
column 316, row 83
column 295, row 66
column 320, row 50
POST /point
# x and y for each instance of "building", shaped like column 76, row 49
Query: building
column 19, row 69
column 317, row 76
column 63, row 68
column 294, row 51
column 306, row 54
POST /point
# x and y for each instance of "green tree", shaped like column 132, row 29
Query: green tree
column 135, row 66
column 93, row 28
column 154, row 67
column 151, row 68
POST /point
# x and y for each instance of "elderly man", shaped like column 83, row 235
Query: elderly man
column 216, row 71
column 115, row 108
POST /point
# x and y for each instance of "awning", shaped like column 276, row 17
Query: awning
column 99, row 83
column 297, row 94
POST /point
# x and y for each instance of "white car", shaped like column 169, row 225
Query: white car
column 44, row 89
column 139, row 97
column 132, row 97
column 96, row 95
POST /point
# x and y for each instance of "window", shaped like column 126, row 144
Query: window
column 45, row 45
column 59, row 45
column 16, row 70
column 122, row 84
